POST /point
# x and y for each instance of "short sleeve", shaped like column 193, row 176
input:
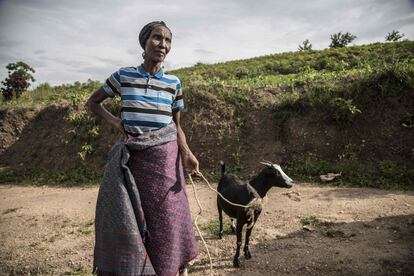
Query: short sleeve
column 112, row 85
column 178, row 103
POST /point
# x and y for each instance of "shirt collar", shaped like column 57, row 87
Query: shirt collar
column 143, row 72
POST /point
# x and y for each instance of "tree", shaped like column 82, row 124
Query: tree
column 340, row 40
column 17, row 81
column 305, row 46
column 394, row 36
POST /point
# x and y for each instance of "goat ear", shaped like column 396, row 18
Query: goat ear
column 266, row 164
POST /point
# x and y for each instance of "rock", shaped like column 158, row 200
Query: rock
column 308, row 228
column 329, row 176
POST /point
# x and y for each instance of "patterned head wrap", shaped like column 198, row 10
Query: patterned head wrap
column 145, row 33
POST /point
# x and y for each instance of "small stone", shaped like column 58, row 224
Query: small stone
column 308, row 228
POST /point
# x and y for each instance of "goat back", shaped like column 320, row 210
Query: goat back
column 233, row 189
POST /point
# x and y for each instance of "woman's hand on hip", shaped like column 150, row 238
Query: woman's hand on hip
column 117, row 124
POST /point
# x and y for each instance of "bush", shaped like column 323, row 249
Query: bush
column 344, row 110
column 340, row 40
column 394, row 36
column 241, row 72
column 305, row 46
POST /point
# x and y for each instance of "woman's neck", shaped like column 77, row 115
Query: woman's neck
column 151, row 66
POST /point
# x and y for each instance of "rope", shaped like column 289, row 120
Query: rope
column 196, row 225
column 225, row 199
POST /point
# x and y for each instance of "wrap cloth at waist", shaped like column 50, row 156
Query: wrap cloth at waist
column 143, row 222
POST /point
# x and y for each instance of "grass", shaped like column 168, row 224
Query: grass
column 390, row 175
column 36, row 176
column 213, row 227
column 45, row 94
column 286, row 68
column 312, row 222
column 85, row 231
column 34, row 244
column 335, row 86
column 11, row 210
column 333, row 233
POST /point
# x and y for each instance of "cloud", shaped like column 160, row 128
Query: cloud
column 74, row 40
column 39, row 52
column 203, row 52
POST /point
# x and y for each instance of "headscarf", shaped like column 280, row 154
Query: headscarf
column 145, row 33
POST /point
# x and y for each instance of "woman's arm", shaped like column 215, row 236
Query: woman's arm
column 190, row 162
column 94, row 105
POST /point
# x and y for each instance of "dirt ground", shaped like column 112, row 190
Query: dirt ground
column 307, row 230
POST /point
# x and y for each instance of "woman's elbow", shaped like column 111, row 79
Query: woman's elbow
column 88, row 104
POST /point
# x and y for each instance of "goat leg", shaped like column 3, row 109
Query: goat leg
column 233, row 226
column 246, row 250
column 239, row 229
column 220, row 213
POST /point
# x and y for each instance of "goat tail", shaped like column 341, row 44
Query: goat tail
column 223, row 168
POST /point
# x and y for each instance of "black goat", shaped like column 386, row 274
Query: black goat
column 251, row 194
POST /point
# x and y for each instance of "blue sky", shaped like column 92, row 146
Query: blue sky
column 67, row 41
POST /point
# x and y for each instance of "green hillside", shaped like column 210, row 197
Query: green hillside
column 348, row 110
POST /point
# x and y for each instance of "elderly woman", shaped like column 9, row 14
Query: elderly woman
column 143, row 222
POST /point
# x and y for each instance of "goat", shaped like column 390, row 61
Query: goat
column 251, row 194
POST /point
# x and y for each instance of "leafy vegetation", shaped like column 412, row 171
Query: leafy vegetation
column 341, row 40
column 305, row 46
column 394, row 36
column 354, row 173
column 213, row 227
column 18, row 80
column 38, row 176
column 337, row 86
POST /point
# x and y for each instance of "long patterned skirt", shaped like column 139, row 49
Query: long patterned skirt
column 159, row 177
column 143, row 222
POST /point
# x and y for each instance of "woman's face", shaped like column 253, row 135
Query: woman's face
column 158, row 44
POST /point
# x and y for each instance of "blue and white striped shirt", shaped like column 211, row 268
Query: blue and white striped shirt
column 147, row 102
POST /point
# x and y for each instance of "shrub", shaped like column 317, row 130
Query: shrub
column 394, row 36
column 344, row 110
column 241, row 72
column 340, row 40
column 305, row 46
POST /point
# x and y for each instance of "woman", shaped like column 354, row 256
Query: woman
column 143, row 222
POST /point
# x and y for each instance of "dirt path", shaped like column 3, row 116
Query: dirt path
column 348, row 231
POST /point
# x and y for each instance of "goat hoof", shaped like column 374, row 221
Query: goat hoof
column 236, row 263
column 220, row 236
column 247, row 255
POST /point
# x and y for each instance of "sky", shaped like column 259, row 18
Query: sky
column 75, row 40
